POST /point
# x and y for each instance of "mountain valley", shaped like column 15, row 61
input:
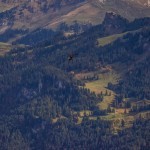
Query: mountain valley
column 100, row 99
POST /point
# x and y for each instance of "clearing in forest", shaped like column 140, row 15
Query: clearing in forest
column 110, row 39
column 4, row 47
column 100, row 85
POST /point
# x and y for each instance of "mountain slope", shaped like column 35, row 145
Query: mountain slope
column 141, row 2
column 127, row 48
column 43, row 106
column 37, row 14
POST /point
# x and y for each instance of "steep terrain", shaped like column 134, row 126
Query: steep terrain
column 49, row 14
column 97, row 100
column 141, row 2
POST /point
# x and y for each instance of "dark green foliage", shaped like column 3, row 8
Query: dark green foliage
column 35, row 88
column 8, row 14
column 138, row 23
column 66, row 135
column 75, row 27
column 8, row 34
column 136, row 82
column 37, row 36
column 22, row 86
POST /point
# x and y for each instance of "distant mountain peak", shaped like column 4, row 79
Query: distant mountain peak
column 111, row 13
column 111, row 16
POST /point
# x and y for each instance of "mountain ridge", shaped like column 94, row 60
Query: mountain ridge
column 48, row 14
column 44, row 106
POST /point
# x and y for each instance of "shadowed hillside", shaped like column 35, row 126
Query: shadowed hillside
column 85, row 90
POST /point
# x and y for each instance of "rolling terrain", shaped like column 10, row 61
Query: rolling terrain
column 100, row 99
column 48, row 14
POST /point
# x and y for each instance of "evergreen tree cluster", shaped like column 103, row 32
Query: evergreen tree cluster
column 38, row 96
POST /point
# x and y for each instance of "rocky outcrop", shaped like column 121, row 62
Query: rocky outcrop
column 114, row 23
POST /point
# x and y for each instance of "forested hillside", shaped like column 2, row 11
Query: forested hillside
column 43, row 105
column 34, row 14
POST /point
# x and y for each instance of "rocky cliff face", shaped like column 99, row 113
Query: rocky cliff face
column 114, row 23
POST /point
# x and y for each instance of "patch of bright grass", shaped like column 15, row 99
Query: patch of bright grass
column 109, row 39
column 4, row 47
column 100, row 85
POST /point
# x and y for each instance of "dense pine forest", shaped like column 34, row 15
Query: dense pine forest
column 41, row 100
